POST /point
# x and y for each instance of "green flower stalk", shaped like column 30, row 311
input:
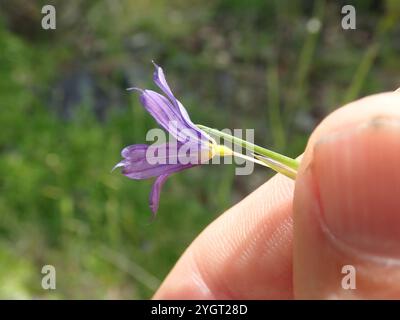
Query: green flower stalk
column 276, row 161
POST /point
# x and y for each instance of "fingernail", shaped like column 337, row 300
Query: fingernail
column 357, row 173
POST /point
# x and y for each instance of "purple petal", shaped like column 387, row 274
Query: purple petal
column 133, row 152
column 139, row 171
column 161, row 82
column 143, row 161
column 168, row 117
column 155, row 192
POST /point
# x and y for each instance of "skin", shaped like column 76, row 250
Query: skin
column 292, row 239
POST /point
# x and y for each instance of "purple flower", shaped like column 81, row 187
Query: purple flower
column 191, row 148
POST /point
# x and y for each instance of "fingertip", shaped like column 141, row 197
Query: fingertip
column 346, row 201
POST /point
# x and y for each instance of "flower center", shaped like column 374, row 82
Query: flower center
column 221, row 150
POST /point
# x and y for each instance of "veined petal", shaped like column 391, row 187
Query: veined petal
column 154, row 199
column 139, row 163
column 169, row 118
column 143, row 161
column 167, row 153
column 135, row 151
column 161, row 82
column 148, row 171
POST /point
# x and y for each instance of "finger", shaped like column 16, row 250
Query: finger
column 347, row 204
column 245, row 254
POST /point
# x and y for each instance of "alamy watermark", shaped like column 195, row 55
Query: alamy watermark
column 349, row 280
column 196, row 150
column 49, row 278
column 349, row 18
column 49, row 18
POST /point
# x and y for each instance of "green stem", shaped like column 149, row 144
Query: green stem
column 292, row 164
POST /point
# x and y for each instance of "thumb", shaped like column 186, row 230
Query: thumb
column 347, row 204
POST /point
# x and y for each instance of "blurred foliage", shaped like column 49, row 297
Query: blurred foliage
column 275, row 66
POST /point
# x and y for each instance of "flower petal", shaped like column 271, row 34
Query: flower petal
column 155, row 193
column 168, row 117
column 161, row 82
column 135, row 151
column 143, row 161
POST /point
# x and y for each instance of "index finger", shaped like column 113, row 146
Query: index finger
column 244, row 254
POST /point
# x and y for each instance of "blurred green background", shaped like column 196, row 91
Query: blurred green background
column 276, row 66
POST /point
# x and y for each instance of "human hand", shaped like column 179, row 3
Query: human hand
column 292, row 239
